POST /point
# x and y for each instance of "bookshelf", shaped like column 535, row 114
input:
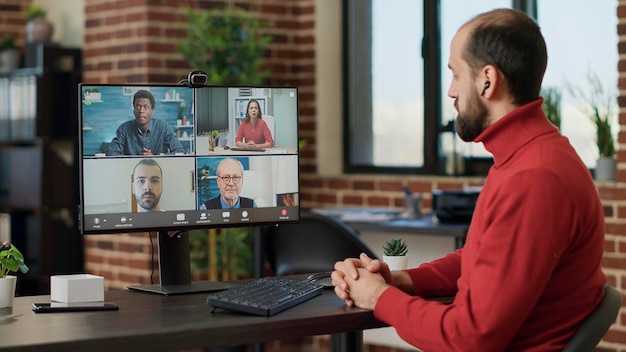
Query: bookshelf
column 38, row 169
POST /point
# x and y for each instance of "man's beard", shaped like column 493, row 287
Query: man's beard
column 471, row 122
column 148, row 205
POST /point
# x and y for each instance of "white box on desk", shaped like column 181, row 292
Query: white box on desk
column 77, row 288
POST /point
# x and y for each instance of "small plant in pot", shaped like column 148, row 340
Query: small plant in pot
column 34, row 11
column 395, row 254
column 599, row 104
column 9, row 54
column 38, row 28
column 11, row 260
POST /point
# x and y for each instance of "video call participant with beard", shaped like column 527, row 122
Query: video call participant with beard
column 147, row 185
column 229, row 176
column 530, row 270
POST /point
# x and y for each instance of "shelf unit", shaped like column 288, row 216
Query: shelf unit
column 39, row 123
column 189, row 138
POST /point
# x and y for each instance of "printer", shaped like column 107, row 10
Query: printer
column 455, row 206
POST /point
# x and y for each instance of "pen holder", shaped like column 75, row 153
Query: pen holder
column 413, row 206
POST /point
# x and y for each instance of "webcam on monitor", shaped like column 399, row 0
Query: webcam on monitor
column 196, row 79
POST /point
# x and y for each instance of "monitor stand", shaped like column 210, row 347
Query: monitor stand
column 175, row 269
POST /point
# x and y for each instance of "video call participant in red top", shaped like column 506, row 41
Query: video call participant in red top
column 253, row 131
column 530, row 271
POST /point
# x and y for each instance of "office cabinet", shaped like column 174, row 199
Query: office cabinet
column 38, row 163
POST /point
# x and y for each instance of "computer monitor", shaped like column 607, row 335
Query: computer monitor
column 215, row 156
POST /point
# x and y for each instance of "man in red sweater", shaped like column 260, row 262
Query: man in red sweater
column 530, row 270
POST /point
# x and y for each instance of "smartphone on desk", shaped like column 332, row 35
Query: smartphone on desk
column 53, row 307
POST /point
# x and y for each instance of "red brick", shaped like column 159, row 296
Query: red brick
column 395, row 186
column 377, row 201
column 615, row 228
column 352, row 200
column 338, row 184
column 364, row 185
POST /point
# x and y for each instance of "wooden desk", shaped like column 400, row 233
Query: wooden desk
column 147, row 322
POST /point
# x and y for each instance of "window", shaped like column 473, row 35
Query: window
column 397, row 114
column 385, row 85
column 583, row 39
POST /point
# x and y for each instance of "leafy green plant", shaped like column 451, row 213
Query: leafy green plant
column 601, row 107
column 7, row 43
column 552, row 105
column 204, row 181
column 225, row 44
column 181, row 109
column 11, row 260
column 232, row 252
column 395, row 247
column 33, row 11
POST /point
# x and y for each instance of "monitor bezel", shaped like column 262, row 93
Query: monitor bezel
column 293, row 211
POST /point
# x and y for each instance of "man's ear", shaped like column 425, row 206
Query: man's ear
column 490, row 78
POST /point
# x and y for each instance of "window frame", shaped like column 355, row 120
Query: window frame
column 357, row 87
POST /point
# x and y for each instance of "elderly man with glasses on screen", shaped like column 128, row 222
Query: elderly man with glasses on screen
column 230, row 181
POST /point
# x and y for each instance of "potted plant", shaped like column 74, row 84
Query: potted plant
column 93, row 94
column 9, row 54
column 11, row 260
column 395, row 254
column 38, row 28
column 600, row 106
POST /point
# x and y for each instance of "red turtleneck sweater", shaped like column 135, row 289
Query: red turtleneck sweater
column 530, row 270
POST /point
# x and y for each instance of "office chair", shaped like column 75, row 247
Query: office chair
column 597, row 323
column 313, row 245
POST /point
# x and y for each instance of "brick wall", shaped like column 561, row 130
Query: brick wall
column 13, row 20
column 134, row 42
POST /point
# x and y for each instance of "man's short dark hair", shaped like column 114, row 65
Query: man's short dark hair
column 511, row 41
column 148, row 162
column 144, row 94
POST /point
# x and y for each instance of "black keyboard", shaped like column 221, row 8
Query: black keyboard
column 266, row 296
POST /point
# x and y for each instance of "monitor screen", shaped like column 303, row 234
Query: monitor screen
column 170, row 158
column 176, row 158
